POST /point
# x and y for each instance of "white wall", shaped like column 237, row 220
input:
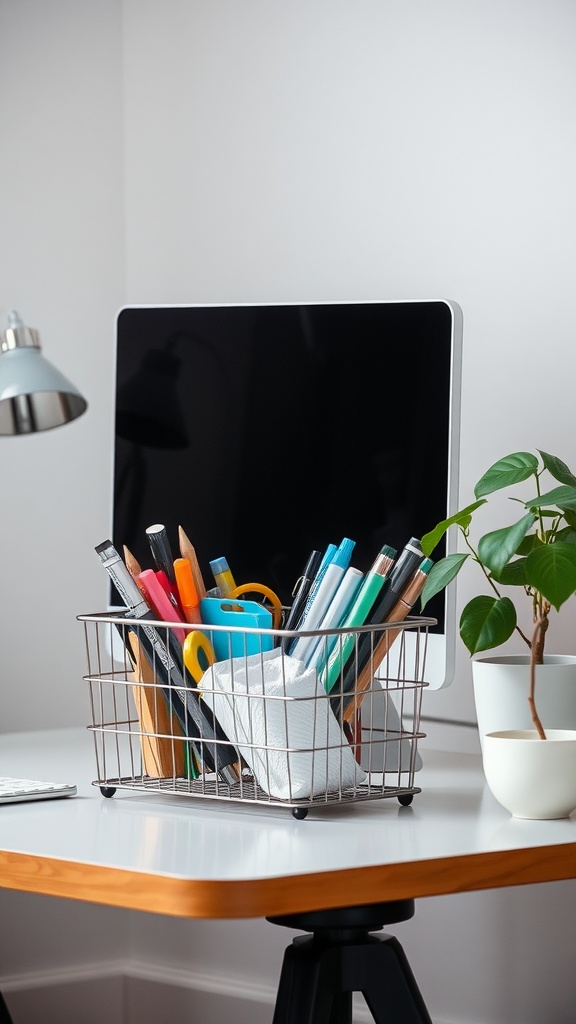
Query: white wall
column 205, row 150
column 62, row 267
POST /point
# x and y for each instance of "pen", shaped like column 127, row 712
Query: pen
column 187, row 550
column 301, row 589
column 376, row 580
column 324, row 563
column 222, row 576
column 331, row 579
column 399, row 612
column 189, row 600
column 166, row 657
column 160, row 548
column 335, row 614
column 407, row 562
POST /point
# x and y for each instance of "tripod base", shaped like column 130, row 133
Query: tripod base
column 321, row 971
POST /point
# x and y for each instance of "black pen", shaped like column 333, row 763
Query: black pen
column 161, row 550
column 300, row 592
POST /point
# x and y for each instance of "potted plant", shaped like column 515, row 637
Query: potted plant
column 534, row 556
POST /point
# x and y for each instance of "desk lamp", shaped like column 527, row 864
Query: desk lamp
column 34, row 395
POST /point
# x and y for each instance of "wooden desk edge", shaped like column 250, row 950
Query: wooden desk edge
column 226, row 899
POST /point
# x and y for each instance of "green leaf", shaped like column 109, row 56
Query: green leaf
column 551, row 569
column 558, row 469
column 462, row 519
column 528, row 544
column 441, row 574
column 570, row 518
column 496, row 549
column 567, row 536
column 563, row 497
column 487, row 622
column 513, row 574
column 510, row 470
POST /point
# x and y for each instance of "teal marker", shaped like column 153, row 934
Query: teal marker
column 341, row 646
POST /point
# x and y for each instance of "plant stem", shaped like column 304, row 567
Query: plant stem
column 492, row 584
column 536, row 640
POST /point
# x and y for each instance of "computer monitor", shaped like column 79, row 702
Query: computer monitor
column 267, row 430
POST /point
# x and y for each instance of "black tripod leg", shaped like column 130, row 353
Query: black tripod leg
column 309, row 991
column 5, row 1017
column 389, row 987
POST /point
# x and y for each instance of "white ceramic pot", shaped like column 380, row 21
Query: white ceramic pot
column 501, row 687
column 530, row 777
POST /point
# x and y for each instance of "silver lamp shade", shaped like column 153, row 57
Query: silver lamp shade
column 34, row 395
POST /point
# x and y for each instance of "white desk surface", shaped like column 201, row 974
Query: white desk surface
column 190, row 857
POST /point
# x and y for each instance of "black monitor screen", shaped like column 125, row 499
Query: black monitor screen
column 266, row 431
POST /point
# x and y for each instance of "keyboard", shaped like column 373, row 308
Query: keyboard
column 14, row 790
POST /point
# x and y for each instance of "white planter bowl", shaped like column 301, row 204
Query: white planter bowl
column 530, row 777
column 501, row 687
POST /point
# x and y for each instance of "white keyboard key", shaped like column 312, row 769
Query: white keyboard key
column 14, row 790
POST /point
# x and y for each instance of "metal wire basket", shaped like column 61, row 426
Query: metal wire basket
column 255, row 725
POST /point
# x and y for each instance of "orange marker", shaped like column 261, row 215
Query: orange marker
column 189, row 600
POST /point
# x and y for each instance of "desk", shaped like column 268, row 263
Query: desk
column 190, row 858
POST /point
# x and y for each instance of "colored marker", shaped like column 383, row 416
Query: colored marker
column 187, row 593
column 376, row 580
column 331, row 580
column 335, row 614
column 399, row 612
column 407, row 562
column 222, row 576
column 159, row 600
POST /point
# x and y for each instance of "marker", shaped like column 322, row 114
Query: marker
column 376, row 580
column 407, row 562
column 166, row 658
column 160, row 601
column 222, row 576
column 189, row 600
column 335, row 614
column 331, row 579
column 160, row 548
column 188, row 551
column 301, row 590
column 398, row 613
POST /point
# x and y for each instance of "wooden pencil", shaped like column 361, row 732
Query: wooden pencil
column 187, row 551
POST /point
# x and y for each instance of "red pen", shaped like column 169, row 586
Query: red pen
column 160, row 601
column 187, row 592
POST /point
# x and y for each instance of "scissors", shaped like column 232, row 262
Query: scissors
column 259, row 588
column 196, row 644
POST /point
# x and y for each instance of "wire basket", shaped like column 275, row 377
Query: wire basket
column 256, row 726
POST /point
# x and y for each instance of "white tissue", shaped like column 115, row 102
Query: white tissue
column 278, row 715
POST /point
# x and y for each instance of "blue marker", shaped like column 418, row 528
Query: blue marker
column 322, row 597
